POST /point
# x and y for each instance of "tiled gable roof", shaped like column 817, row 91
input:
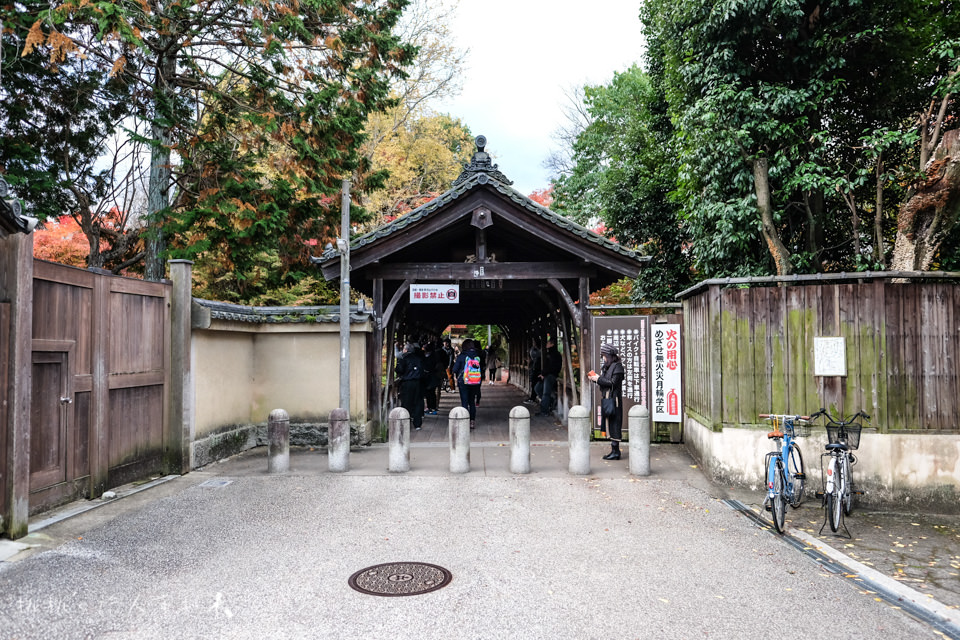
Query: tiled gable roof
column 475, row 175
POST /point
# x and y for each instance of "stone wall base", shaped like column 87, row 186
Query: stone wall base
column 898, row 472
column 238, row 438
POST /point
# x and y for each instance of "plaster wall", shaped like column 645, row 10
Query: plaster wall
column 223, row 369
column 899, row 470
column 243, row 371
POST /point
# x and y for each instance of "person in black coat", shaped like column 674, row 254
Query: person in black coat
column 552, row 364
column 410, row 377
column 610, row 381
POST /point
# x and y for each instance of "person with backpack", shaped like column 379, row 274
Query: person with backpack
column 410, row 376
column 468, row 373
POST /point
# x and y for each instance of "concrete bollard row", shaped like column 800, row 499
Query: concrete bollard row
column 520, row 440
column 398, row 429
column 459, row 436
column 338, row 445
column 278, row 442
column 639, row 458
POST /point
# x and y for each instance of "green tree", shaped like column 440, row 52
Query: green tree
column 294, row 79
column 793, row 121
column 623, row 174
column 58, row 120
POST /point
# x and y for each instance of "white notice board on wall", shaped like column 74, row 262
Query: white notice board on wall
column 829, row 356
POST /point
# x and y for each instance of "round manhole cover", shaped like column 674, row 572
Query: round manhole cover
column 400, row 579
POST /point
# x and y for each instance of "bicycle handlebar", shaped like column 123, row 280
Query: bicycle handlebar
column 783, row 416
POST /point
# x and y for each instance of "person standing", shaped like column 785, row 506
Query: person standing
column 449, row 358
column 552, row 364
column 610, row 382
column 534, row 371
column 493, row 361
column 431, row 378
column 410, row 375
column 468, row 373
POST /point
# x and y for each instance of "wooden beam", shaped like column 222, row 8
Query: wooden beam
column 586, row 345
column 474, row 271
column 395, row 300
column 571, row 307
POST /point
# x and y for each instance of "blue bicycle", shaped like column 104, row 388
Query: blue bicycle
column 786, row 474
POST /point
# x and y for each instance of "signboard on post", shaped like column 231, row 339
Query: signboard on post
column 434, row 293
column 667, row 380
column 629, row 334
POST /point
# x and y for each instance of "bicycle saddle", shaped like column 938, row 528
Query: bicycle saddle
column 775, row 434
column 837, row 445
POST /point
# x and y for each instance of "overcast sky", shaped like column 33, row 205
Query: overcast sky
column 523, row 55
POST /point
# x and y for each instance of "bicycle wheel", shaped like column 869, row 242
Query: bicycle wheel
column 834, row 502
column 797, row 472
column 778, row 508
column 847, row 487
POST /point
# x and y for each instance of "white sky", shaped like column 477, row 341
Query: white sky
column 523, row 55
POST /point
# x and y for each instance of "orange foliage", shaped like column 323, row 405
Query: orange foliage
column 543, row 197
column 61, row 241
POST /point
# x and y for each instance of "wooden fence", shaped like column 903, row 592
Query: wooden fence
column 100, row 372
column 750, row 351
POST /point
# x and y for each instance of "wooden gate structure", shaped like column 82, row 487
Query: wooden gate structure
column 86, row 382
column 515, row 264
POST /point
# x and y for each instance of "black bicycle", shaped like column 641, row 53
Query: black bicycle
column 843, row 438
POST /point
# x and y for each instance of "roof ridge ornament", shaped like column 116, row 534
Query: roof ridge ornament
column 480, row 164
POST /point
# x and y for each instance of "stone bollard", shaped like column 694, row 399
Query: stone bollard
column 578, row 431
column 338, row 441
column 519, row 440
column 398, row 428
column 639, row 458
column 278, row 442
column 459, row 434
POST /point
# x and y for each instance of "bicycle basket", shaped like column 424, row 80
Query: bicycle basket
column 797, row 430
column 853, row 434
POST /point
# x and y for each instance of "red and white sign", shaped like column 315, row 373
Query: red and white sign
column 667, row 382
column 434, row 293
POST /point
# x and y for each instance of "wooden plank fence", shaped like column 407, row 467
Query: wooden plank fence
column 101, row 423
column 750, row 351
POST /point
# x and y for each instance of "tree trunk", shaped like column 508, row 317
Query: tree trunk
column 879, row 255
column 158, row 198
column 761, row 181
column 931, row 209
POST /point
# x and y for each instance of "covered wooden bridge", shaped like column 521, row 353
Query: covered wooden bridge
column 517, row 265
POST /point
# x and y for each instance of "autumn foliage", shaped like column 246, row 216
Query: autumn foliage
column 61, row 241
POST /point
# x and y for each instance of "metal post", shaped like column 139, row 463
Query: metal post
column 639, row 458
column 343, row 245
column 278, row 442
column 519, row 440
column 459, row 436
column 399, row 427
column 578, row 432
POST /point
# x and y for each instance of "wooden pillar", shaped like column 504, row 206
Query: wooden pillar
column 375, row 408
column 100, row 389
column 586, row 344
column 180, row 416
column 715, row 365
column 16, row 288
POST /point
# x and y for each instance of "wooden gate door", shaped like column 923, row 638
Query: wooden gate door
column 53, row 443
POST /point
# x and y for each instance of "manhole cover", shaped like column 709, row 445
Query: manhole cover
column 400, row 579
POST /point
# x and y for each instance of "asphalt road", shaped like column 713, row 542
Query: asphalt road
column 231, row 552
